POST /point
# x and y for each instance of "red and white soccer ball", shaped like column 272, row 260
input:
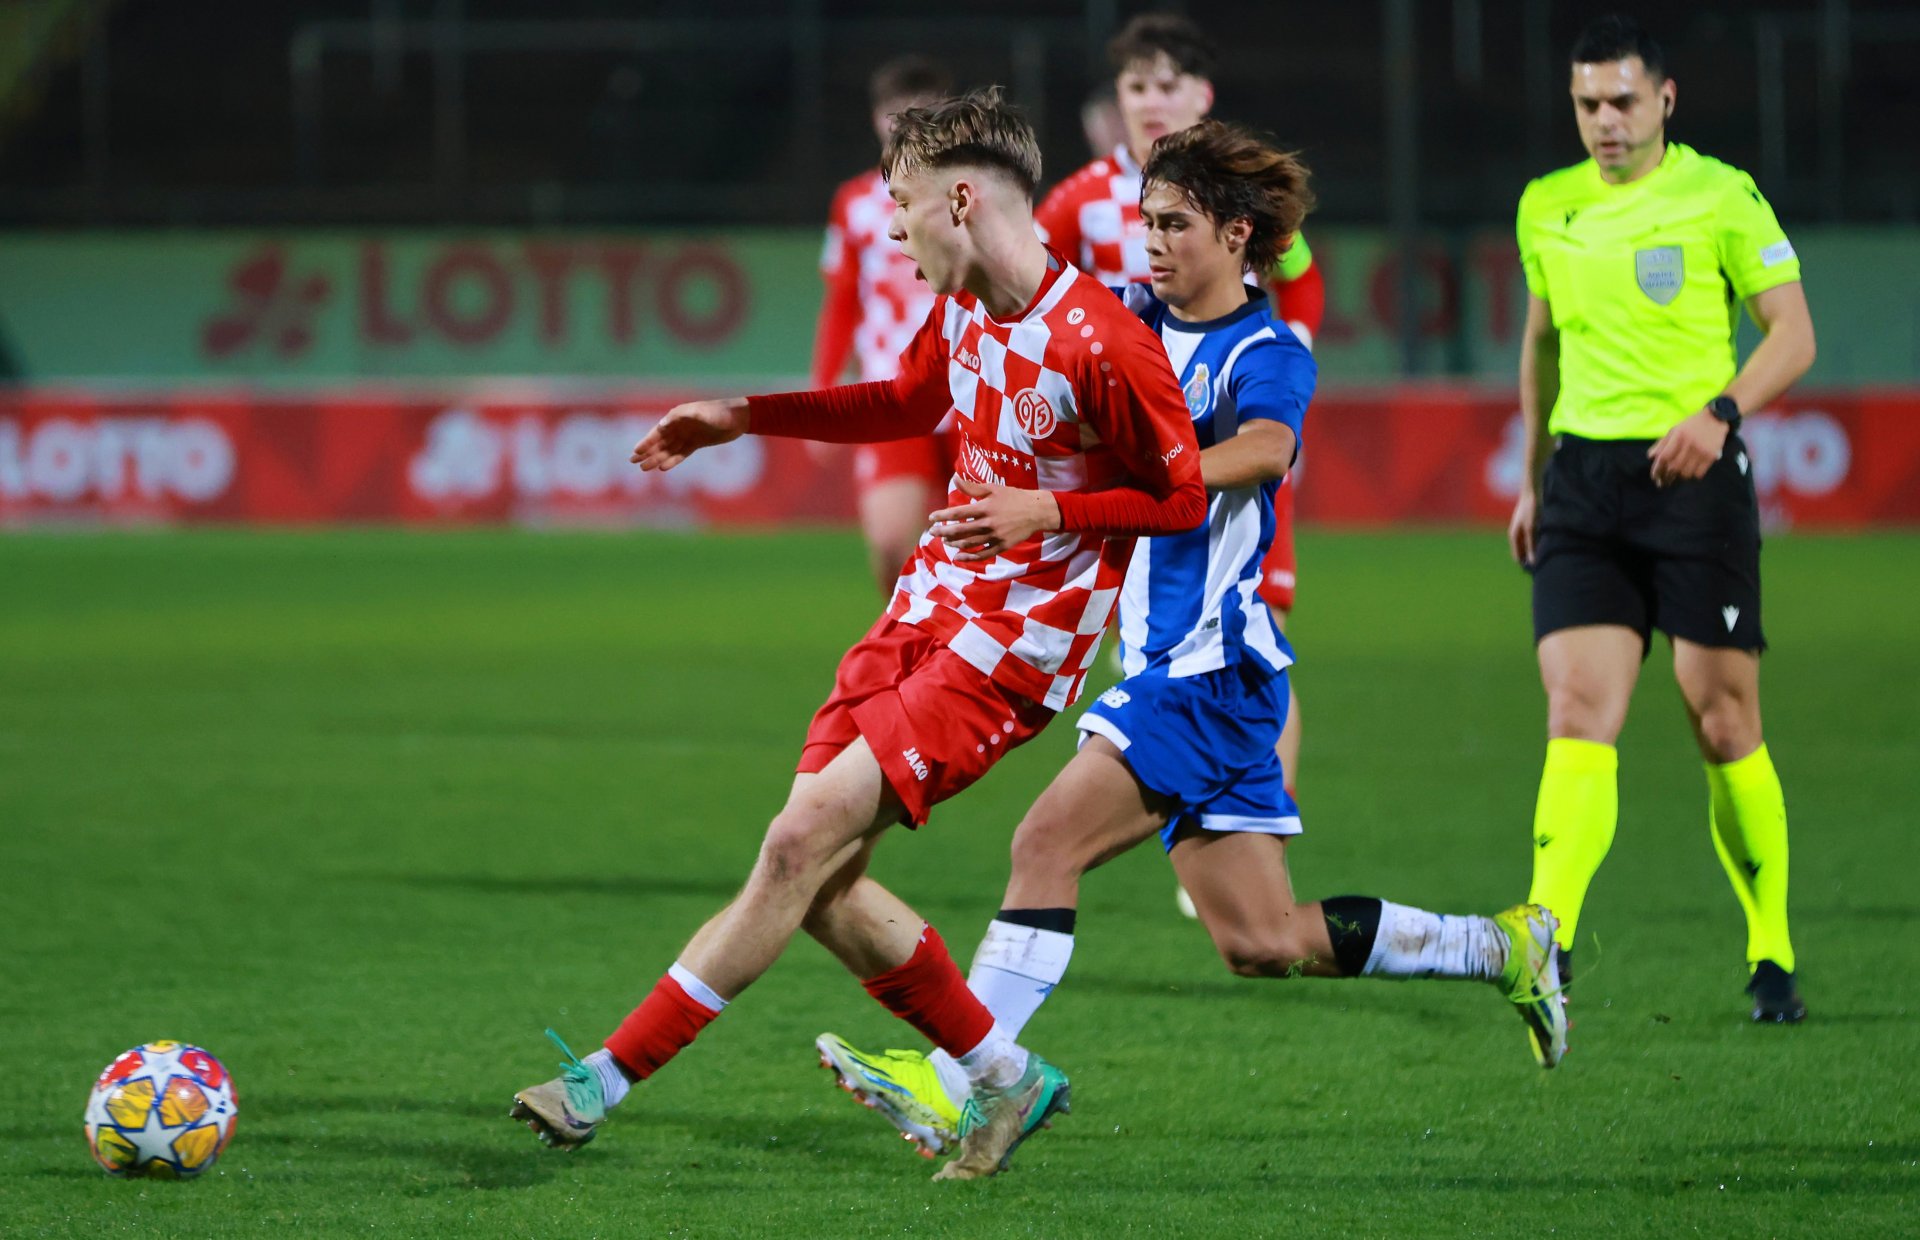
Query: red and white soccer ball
column 165, row 1109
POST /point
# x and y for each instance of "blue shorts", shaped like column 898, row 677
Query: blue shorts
column 1207, row 742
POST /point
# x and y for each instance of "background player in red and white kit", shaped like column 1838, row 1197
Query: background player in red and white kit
column 1163, row 66
column 874, row 303
column 1074, row 438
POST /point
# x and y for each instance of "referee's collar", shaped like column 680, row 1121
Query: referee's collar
column 1669, row 158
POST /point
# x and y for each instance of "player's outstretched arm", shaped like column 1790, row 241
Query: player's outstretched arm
column 688, row 428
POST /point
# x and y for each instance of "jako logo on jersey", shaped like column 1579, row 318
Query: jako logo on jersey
column 1199, row 391
column 968, row 358
column 918, row 763
column 974, row 464
column 1034, row 414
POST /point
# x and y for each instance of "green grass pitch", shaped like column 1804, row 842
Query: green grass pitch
column 363, row 812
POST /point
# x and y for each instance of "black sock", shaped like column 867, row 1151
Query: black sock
column 1058, row 920
column 1353, row 922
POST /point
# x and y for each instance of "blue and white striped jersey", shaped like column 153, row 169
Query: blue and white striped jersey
column 1189, row 603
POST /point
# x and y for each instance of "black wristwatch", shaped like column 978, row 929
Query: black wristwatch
column 1727, row 410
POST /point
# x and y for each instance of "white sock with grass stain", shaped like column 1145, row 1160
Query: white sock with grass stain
column 1415, row 943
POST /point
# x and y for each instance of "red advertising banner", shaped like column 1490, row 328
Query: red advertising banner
column 494, row 458
column 1408, row 454
column 499, row 456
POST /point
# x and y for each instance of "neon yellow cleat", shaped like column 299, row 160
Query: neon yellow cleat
column 1532, row 978
column 901, row 1085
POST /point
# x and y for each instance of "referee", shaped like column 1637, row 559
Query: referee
column 1637, row 262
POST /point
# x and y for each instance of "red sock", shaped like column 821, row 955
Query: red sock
column 930, row 993
column 664, row 1023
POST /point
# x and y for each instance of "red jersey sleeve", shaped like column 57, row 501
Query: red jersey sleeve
column 1301, row 301
column 840, row 307
column 1143, row 418
column 904, row 407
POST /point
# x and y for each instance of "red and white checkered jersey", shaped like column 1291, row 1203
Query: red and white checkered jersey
column 1073, row 395
column 866, row 273
column 1093, row 217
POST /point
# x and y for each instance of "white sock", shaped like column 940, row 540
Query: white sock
column 1415, row 943
column 614, row 1084
column 997, row 1062
column 1015, row 968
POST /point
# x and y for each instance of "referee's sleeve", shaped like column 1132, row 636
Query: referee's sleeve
column 1754, row 250
column 1523, row 233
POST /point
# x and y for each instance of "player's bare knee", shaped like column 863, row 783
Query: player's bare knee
column 1038, row 852
column 1729, row 730
column 1252, row 953
column 1584, row 710
column 796, row 845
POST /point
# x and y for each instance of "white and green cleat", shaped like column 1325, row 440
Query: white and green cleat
column 995, row 1121
column 566, row 1111
column 1531, row 979
column 903, row 1086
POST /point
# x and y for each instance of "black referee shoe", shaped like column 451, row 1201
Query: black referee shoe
column 1775, row 1000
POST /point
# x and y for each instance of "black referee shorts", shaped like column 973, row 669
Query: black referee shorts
column 1613, row 548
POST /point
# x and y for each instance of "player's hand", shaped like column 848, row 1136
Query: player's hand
column 996, row 519
column 688, row 428
column 1523, row 527
column 1689, row 450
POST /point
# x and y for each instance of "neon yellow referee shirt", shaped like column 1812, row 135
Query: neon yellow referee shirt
column 1646, row 281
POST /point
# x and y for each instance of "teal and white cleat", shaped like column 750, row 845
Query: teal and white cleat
column 995, row 1121
column 902, row 1086
column 566, row 1111
column 1532, row 978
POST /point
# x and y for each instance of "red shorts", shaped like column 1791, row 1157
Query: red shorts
column 1277, row 570
column 928, row 459
column 933, row 720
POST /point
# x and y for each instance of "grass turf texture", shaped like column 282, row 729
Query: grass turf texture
column 363, row 812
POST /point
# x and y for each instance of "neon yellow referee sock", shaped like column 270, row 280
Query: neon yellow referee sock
column 1573, row 825
column 1748, row 814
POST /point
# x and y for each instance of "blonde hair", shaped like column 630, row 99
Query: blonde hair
column 978, row 128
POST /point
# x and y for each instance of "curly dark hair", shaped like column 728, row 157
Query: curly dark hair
column 1231, row 173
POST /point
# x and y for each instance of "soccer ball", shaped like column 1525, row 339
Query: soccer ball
column 165, row 1109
